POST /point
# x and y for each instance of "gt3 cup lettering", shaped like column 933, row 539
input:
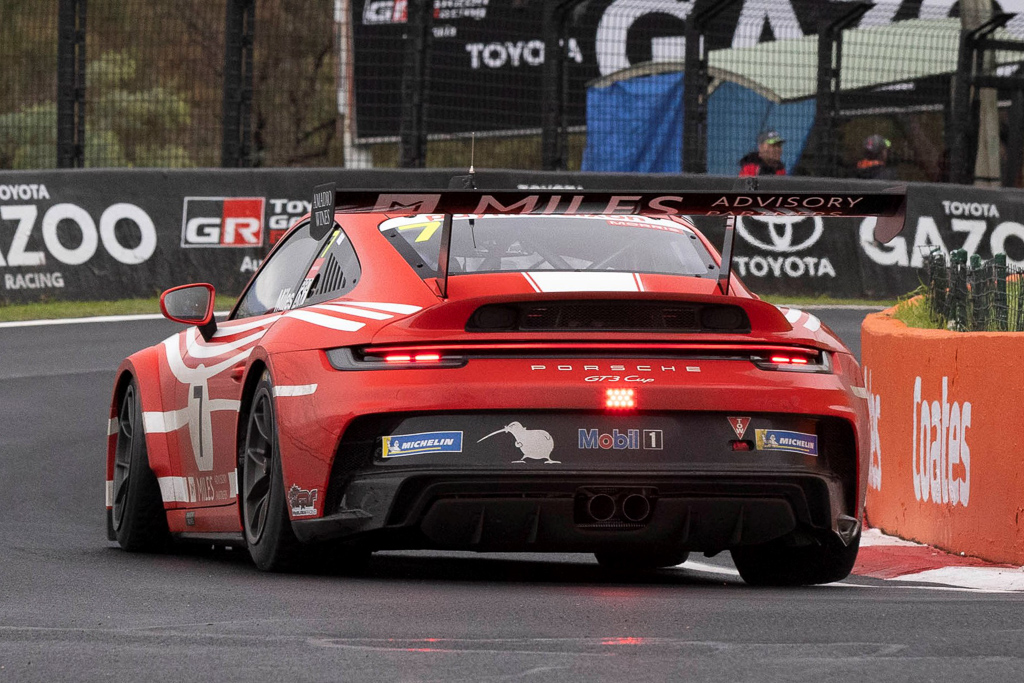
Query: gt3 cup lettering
column 618, row 378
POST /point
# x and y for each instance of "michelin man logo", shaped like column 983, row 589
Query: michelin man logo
column 535, row 444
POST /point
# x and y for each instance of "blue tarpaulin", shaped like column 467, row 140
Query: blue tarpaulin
column 637, row 125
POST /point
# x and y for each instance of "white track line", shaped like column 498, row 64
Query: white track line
column 93, row 319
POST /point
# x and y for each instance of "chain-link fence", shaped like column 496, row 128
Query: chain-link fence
column 603, row 85
column 974, row 295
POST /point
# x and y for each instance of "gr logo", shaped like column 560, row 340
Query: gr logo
column 222, row 222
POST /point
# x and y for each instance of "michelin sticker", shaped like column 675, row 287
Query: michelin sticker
column 422, row 443
column 779, row 440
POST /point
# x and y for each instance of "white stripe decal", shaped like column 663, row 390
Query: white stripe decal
column 197, row 348
column 173, row 489
column 112, row 426
column 294, row 390
column 233, row 483
column 357, row 312
column 229, row 328
column 531, row 282
column 327, row 321
column 639, row 282
column 812, row 323
column 110, row 493
column 404, row 309
column 584, row 282
column 793, row 314
column 224, row 404
column 162, row 423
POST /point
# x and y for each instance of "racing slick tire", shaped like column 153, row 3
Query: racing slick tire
column 267, row 527
column 137, row 516
column 269, row 536
column 775, row 564
column 641, row 560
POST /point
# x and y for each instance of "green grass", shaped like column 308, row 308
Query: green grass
column 87, row 309
column 783, row 300
column 917, row 313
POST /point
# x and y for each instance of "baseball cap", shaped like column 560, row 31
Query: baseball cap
column 874, row 144
column 770, row 137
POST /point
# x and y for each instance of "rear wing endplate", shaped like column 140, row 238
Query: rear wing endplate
column 888, row 207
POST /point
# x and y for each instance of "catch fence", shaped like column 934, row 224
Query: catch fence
column 974, row 295
column 597, row 85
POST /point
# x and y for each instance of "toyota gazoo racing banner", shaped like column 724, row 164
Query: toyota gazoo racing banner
column 96, row 235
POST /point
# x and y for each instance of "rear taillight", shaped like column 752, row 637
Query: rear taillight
column 347, row 358
column 794, row 362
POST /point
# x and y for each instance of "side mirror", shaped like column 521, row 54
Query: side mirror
column 191, row 305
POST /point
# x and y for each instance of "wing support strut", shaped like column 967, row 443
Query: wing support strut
column 725, row 267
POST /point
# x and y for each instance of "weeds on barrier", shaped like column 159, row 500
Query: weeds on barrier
column 972, row 294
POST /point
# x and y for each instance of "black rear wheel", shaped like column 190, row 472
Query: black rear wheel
column 776, row 564
column 268, row 530
column 138, row 518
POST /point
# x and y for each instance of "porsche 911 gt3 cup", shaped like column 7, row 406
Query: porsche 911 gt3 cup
column 502, row 371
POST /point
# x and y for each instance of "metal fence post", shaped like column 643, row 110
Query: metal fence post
column 695, row 88
column 830, row 67
column 71, row 84
column 412, row 131
column 236, row 143
column 554, row 90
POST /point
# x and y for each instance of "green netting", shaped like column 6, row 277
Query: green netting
column 974, row 295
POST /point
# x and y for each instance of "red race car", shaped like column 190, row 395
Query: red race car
column 501, row 371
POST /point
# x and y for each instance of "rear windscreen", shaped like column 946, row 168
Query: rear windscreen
column 494, row 244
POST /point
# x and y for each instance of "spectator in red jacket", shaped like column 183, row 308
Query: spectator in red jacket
column 767, row 160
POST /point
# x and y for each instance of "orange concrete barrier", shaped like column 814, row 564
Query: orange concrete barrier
column 947, row 436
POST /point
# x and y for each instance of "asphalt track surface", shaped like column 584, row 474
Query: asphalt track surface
column 75, row 607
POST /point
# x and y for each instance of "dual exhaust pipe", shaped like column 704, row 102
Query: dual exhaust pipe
column 628, row 506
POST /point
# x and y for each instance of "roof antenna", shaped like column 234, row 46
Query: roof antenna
column 466, row 182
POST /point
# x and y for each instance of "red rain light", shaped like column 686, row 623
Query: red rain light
column 427, row 357
column 789, row 360
column 620, row 399
column 397, row 358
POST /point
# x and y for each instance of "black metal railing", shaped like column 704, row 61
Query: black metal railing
column 603, row 85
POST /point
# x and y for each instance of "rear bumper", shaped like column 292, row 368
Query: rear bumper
column 488, row 511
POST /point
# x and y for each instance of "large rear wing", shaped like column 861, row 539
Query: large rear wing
column 888, row 207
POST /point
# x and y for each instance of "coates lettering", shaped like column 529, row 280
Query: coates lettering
column 23, row 192
column 942, row 458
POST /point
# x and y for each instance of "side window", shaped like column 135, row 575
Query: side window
column 275, row 287
column 334, row 272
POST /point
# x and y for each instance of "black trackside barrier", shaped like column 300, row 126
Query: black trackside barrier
column 109, row 234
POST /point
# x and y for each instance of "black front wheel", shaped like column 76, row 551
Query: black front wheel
column 138, row 518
